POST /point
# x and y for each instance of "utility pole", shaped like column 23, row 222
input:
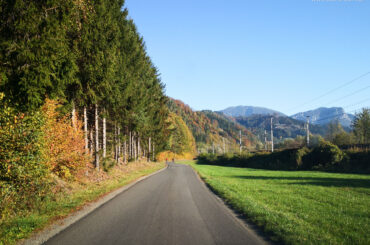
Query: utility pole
column 265, row 140
column 240, row 142
column 272, row 138
column 213, row 147
column 308, row 131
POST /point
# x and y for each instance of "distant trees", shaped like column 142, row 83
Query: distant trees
column 90, row 56
column 361, row 126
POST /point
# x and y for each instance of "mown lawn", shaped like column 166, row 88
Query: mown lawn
column 20, row 226
column 297, row 207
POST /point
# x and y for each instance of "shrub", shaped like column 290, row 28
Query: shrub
column 24, row 176
column 162, row 156
column 324, row 156
column 65, row 145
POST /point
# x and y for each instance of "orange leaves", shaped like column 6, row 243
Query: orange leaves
column 64, row 151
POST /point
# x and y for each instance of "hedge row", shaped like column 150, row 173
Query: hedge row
column 326, row 157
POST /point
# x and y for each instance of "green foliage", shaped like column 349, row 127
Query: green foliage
column 325, row 156
column 24, row 176
column 361, row 126
column 35, row 56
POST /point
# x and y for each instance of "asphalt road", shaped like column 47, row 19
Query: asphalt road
column 171, row 207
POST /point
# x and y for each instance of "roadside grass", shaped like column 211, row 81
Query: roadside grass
column 73, row 197
column 296, row 207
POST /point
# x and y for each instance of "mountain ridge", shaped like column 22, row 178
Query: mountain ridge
column 244, row 111
column 325, row 115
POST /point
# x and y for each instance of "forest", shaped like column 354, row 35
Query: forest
column 78, row 95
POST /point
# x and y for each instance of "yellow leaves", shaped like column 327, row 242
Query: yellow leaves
column 65, row 151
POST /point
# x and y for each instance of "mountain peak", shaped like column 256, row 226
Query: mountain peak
column 324, row 115
column 245, row 111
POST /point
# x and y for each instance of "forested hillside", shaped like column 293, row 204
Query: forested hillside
column 89, row 56
column 212, row 129
column 284, row 127
column 78, row 94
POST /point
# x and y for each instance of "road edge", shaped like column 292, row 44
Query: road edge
column 60, row 225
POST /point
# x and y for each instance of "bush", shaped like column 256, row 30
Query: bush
column 326, row 156
column 65, row 145
column 23, row 173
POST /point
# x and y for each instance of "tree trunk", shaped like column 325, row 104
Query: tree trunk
column 130, row 146
column 153, row 153
column 125, row 151
column 96, row 138
column 115, row 142
column 149, row 149
column 91, row 142
column 138, row 147
column 104, row 137
column 74, row 116
column 85, row 131
column 135, row 147
column 119, row 145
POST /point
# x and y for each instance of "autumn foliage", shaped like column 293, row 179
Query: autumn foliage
column 65, row 153
column 34, row 147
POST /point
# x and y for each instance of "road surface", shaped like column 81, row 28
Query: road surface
column 171, row 207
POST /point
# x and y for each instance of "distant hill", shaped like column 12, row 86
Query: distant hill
column 245, row 111
column 210, row 128
column 284, row 127
column 323, row 115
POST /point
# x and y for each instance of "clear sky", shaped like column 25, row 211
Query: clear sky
column 280, row 54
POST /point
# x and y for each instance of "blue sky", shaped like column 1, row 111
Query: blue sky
column 279, row 54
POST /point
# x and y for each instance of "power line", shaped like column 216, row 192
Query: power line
column 346, row 96
column 337, row 115
column 333, row 90
column 357, row 103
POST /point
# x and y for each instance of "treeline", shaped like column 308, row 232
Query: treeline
column 89, row 56
column 323, row 157
column 358, row 136
column 78, row 92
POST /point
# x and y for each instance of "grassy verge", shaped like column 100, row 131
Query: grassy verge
column 297, row 207
column 72, row 197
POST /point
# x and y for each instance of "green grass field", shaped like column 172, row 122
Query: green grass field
column 297, row 207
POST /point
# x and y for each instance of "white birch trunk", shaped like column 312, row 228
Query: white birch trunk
column 96, row 138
